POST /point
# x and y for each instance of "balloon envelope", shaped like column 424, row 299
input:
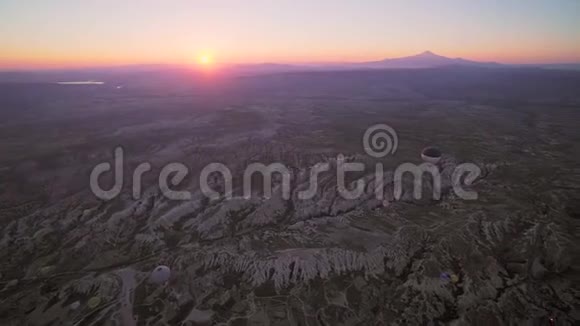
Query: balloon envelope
column 94, row 302
column 431, row 155
column 454, row 278
column 160, row 274
column 75, row 305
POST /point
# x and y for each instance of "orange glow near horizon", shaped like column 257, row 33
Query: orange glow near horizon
column 69, row 33
column 205, row 61
column 182, row 56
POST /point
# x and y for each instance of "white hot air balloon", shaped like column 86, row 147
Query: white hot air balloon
column 160, row 274
column 431, row 155
column 75, row 305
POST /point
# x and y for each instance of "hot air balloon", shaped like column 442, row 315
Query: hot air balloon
column 431, row 155
column 454, row 278
column 75, row 305
column 94, row 302
column 160, row 274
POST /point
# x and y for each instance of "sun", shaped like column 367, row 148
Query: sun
column 205, row 59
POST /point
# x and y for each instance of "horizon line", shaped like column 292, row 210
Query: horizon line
column 17, row 67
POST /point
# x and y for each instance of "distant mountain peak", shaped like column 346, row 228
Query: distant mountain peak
column 425, row 59
column 428, row 54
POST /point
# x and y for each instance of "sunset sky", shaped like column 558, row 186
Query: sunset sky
column 63, row 33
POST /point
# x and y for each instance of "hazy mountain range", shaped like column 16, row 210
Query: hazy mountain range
column 426, row 59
